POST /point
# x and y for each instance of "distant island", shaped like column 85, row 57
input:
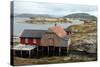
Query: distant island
column 33, row 15
column 44, row 18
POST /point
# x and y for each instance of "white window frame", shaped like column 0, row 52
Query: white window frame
column 26, row 40
column 34, row 41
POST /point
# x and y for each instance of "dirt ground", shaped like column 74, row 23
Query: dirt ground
column 52, row 60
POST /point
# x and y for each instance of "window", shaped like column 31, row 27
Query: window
column 26, row 40
column 34, row 40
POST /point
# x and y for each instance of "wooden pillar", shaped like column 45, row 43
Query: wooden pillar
column 29, row 53
column 67, row 50
column 48, row 50
column 13, row 52
column 54, row 51
column 69, row 41
column 59, row 51
column 42, row 50
column 21, row 53
column 37, row 52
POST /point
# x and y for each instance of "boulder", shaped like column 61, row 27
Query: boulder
column 88, row 45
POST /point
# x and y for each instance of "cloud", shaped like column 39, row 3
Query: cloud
column 51, row 8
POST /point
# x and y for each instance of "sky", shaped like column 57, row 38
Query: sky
column 55, row 9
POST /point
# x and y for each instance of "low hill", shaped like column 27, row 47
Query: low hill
column 32, row 15
column 81, row 16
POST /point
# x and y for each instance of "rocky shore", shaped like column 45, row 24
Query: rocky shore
column 85, row 37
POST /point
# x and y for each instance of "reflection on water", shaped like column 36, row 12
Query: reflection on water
column 19, row 26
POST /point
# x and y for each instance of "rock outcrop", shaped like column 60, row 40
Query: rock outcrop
column 85, row 39
column 88, row 45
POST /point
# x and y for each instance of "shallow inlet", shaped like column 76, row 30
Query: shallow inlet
column 20, row 25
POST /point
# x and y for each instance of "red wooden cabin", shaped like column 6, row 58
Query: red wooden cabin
column 31, row 37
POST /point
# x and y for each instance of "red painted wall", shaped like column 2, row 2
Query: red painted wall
column 22, row 40
column 30, row 41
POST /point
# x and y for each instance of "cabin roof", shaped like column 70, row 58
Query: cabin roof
column 28, row 33
column 33, row 33
column 58, row 30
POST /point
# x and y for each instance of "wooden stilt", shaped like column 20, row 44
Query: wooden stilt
column 37, row 52
column 69, row 41
column 53, row 51
column 48, row 50
column 59, row 51
column 67, row 50
column 29, row 53
column 42, row 50
column 21, row 53
column 13, row 52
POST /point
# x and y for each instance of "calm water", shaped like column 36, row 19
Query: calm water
column 19, row 26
